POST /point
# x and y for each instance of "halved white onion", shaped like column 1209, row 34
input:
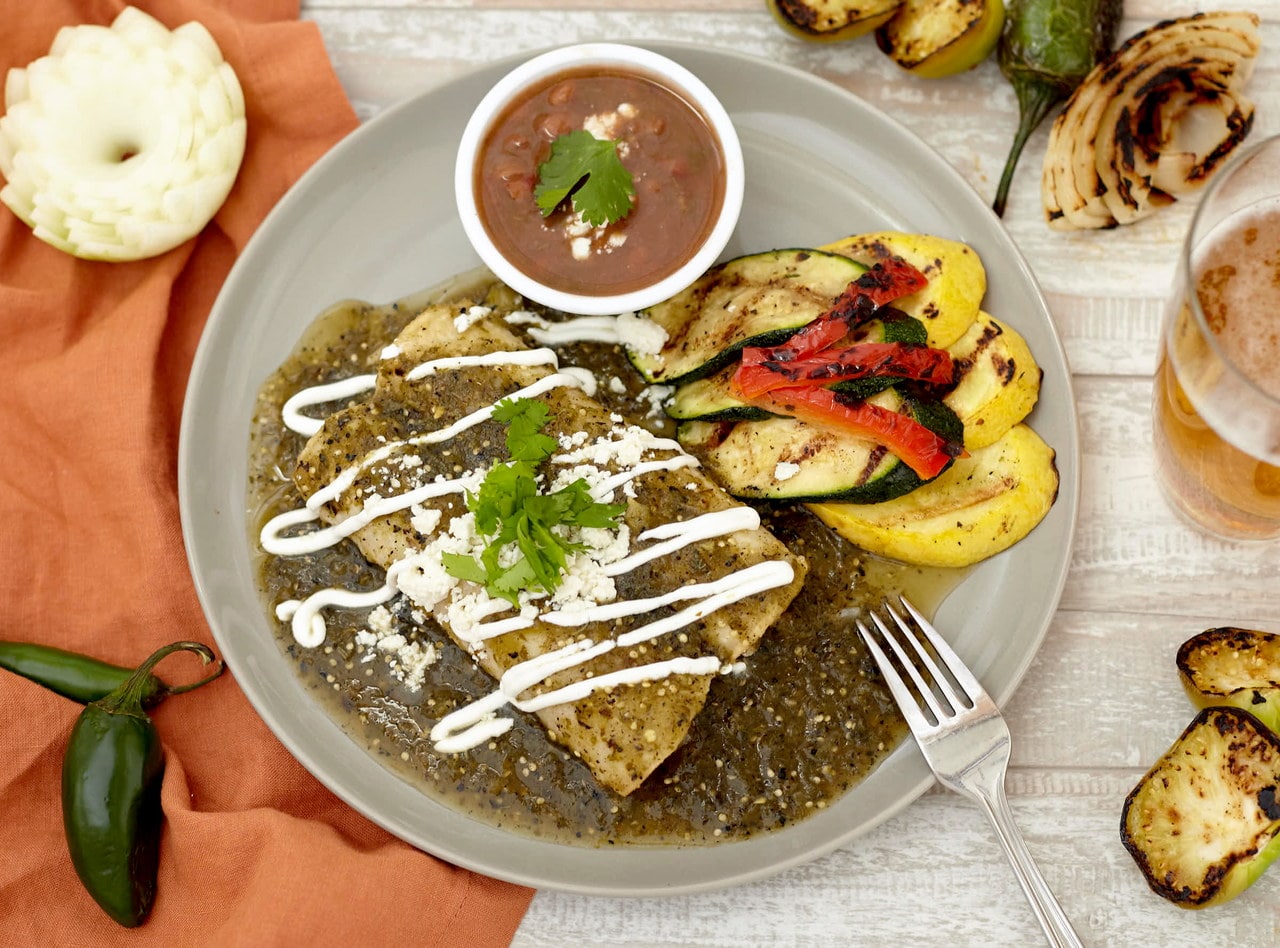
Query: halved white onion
column 1151, row 122
column 123, row 141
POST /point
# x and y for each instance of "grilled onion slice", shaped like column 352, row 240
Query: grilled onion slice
column 1151, row 122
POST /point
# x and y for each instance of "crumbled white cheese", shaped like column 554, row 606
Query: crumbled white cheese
column 606, row 546
column 617, row 386
column 606, row 126
column 380, row 621
column 575, row 440
column 594, row 476
column 580, row 248
column 412, row 662
column 655, row 396
column 392, row 643
column 641, row 335
column 785, row 470
column 623, row 447
column 425, row 581
column 603, row 125
column 424, row 519
column 407, row 660
column 577, row 226
column 584, row 582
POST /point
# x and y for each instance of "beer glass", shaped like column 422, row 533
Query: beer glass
column 1216, row 402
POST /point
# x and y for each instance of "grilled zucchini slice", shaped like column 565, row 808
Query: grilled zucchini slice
column 757, row 300
column 979, row 506
column 784, row 459
column 1204, row 823
column 1236, row 667
column 948, row 305
column 712, row 398
column 998, row 381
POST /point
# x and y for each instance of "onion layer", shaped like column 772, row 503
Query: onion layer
column 123, row 141
column 1152, row 122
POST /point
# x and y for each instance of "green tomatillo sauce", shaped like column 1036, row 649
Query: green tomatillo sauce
column 807, row 719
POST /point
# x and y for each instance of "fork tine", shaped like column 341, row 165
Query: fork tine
column 901, row 693
column 926, row 693
column 959, row 670
column 953, row 695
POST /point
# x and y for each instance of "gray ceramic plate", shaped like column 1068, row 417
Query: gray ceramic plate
column 375, row 220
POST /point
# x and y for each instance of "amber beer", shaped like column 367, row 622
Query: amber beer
column 1217, row 383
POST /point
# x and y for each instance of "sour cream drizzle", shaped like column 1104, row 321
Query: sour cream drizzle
column 565, row 378
column 577, row 329
column 276, row 543
column 475, row 723
column 292, row 413
column 468, row 726
column 770, row 573
column 295, row 420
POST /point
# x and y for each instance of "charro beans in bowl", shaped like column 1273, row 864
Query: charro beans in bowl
column 599, row 178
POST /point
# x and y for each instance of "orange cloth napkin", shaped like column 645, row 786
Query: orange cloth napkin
column 93, row 365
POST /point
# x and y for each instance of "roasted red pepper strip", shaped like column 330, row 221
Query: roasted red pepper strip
column 924, row 451
column 900, row 360
column 888, row 280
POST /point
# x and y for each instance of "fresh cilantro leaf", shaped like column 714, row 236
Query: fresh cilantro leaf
column 509, row 509
column 588, row 169
column 508, row 583
column 464, row 567
column 525, row 418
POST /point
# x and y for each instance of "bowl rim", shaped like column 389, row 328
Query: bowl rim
column 561, row 59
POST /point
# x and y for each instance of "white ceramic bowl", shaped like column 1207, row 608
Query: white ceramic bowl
column 579, row 57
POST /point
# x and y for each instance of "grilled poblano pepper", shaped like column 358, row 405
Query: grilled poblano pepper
column 1046, row 49
column 111, row 775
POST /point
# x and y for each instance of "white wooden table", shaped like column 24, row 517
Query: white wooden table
column 1102, row 700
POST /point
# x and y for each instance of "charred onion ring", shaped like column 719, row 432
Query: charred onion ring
column 1151, row 122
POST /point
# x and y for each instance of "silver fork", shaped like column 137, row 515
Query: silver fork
column 966, row 743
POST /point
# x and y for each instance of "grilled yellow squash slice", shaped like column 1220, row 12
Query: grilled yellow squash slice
column 936, row 38
column 1204, row 823
column 999, row 381
column 957, row 279
column 978, row 507
column 832, row 20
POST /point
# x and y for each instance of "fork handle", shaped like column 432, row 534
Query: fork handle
column 1054, row 921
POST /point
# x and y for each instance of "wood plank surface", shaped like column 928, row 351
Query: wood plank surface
column 1101, row 700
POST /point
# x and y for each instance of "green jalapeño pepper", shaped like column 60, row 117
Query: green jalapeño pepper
column 111, row 778
column 71, row 675
column 1046, row 50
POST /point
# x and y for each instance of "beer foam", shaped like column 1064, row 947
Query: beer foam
column 1238, row 283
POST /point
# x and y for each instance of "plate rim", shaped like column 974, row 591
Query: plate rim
column 904, row 759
